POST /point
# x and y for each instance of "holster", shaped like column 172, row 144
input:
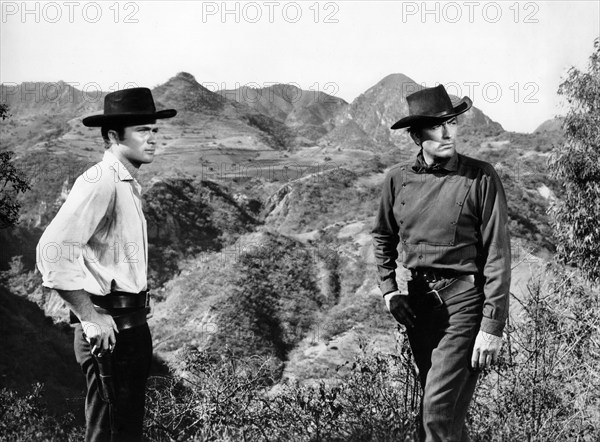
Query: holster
column 105, row 376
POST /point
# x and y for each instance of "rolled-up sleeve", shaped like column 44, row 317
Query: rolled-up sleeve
column 59, row 251
column 496, row 255
column 385, row 238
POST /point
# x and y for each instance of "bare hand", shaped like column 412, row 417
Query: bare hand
column 486, row 349
column 400, row 309
column 99, row 330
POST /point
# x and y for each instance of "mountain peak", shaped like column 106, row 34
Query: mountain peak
column 183, row 92
column 398, row 82
column 396, row 78
column 183, row 81
column 284, row 88
column 186, row 77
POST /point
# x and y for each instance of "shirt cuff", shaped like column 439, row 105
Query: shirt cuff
column 492, row 326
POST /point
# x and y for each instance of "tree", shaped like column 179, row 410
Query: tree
column 12, row 181
column 576, row 164
column 4, row 112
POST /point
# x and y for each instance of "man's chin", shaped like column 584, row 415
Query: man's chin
column 148, row 159
column 446, row 151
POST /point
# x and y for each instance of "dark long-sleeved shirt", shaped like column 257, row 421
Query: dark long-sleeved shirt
column 454, row 218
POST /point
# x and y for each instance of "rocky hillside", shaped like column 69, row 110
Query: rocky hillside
column 33, row 99
column 310, row 113
column 259, row 214
column 552, row 130
column 186, row 217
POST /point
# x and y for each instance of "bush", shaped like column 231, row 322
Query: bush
column 546, row 386
column 224, row 398
column 12, row 181
column 24, row 418
column 577, row 165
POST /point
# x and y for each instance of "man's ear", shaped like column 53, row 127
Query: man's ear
column 415, row 137
column 113, row 136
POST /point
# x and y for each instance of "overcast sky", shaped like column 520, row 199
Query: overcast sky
column 509, row 57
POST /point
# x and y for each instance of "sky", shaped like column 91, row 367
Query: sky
column 508, row 56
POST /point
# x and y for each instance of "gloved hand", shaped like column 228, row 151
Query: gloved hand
column 398, row 305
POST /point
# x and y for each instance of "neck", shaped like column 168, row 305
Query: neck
column 133, row 167
column 431, row 160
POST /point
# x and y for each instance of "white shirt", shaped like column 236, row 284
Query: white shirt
column 98, row 235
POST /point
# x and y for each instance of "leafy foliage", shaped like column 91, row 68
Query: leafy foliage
column 12, row 181
column 546, row 386
column 24, row 418
column 4, row 111
column 228, row 398
column 577, row 165
column 18, row 280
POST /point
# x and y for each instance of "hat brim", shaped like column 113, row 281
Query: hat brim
column 412, row 120
column 127, row 119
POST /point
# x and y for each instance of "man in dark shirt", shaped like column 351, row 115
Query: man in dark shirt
column 448, row 212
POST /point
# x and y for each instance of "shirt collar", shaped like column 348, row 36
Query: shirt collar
column 420, row 166
column 121, row 171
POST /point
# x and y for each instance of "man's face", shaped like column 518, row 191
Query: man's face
column 438, row 141
column 138, row 144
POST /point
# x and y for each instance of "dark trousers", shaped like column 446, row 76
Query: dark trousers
column 131, row 359
column 442, row 343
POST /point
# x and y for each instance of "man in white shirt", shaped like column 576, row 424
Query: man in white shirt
column 94, row 253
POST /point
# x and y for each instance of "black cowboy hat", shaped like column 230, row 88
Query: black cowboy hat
column 128, row 107
column 431, row 105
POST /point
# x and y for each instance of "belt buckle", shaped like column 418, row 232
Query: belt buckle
column 437, row 297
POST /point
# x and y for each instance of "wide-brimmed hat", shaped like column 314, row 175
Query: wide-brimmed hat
column 128, row 107
column 431, row 105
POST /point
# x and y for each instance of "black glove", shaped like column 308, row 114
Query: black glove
column 398, row 305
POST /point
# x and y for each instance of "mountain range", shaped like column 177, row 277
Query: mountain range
column 259, row 207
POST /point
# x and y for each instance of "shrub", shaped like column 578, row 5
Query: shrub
column 577, row 165
column 24, row 418
column 546, row 386
column 12, row 181
column 225, row 398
